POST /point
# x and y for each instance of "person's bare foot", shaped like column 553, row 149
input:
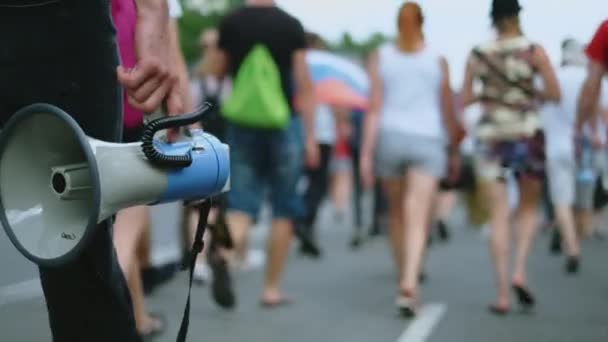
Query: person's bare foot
column 272, row 298
column 407, row 303
column 151, row 325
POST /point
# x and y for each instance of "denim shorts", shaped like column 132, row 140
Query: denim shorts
column 265, row 162
column 524, row 158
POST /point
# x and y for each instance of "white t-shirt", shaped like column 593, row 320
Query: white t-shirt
column 325, row 126
column 559, row 119
column 411, row 91
column 175, row 9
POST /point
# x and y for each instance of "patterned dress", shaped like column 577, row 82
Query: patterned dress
column 509, row 134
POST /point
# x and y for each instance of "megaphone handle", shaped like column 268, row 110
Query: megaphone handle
column 147, row 141
column 197, row 247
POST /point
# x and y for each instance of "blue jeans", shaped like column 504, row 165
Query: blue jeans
column 265, row 160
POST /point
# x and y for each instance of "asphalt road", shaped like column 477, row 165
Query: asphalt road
column 348, row 296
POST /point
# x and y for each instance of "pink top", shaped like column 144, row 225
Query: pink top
column 124, row 15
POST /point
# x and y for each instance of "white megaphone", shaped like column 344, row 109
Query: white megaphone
column 57, row 184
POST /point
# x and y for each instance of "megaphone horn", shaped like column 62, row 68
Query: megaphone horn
column 57, row 184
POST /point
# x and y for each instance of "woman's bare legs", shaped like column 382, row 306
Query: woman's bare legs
column 496, row 195
column 341, row 188
column 129, row 228
column 419, row 196
column 394, row 190
column 565, row 220
column 529, row 198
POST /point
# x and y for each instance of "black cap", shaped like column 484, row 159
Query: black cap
column 504, row 9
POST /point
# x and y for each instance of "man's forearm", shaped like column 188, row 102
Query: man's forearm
column 181, row 68
column 307, row 111
column 589, row 96
column 587, row 104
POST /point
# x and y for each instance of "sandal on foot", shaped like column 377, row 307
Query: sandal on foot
column 524, row 296
column 275, row 304
column 407, row 306
column 498, row 310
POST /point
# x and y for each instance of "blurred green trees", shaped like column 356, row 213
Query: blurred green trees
column 348, row 45
column 198, row 16
column 203, row 14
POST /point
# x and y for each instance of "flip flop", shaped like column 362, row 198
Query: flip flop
column 275, row 305
column 408, row 307
column 524, row 296
column 497, row 310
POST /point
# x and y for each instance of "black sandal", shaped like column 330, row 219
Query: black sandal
column 408, row 308
column 524, row 296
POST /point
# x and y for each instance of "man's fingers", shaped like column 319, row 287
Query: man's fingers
column 153, row 101
column 133, row 79
column 174, row 101
column 146, row 89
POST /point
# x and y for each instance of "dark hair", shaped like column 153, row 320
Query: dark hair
column 414, row 5
column 313, row 40
column 503, row 9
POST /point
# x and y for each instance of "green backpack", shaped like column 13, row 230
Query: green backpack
column 257, row 98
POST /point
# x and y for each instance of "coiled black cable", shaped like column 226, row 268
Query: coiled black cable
column 147, row 140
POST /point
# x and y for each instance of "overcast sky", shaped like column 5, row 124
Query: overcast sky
column 452, row 26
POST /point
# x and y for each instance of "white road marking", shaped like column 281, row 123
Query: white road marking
column 422, row 326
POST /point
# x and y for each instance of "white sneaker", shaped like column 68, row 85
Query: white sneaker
column 255, row 260
column 202, row 273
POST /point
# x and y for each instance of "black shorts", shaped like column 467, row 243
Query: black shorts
column 64, row 53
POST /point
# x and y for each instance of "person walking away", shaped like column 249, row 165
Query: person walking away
column 87, row 299
column 510, row 139
column 448, row 188
column 564, row 183
column 263, row 49
column 404, row 142
column 205, row 87
column 317, row 178
column 589, row 98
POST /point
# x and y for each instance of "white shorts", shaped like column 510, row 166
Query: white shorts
column 562, row 180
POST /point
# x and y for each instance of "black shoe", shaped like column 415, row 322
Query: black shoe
column 309, row 248
column 356, row 242
column 422, row 277
column 555, row 247
column 572, row 265
column 524, row 297
column 221, row 283
column 443, row 231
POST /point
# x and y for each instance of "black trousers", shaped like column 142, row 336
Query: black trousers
column 64, row 53
column 318, row 184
